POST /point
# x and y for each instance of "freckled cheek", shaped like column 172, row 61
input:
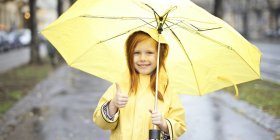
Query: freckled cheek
column 154, row 59
column 135, row 59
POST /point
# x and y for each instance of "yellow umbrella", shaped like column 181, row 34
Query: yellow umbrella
column 206, row 54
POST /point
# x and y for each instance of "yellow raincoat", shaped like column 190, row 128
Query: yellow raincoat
column 134, row 120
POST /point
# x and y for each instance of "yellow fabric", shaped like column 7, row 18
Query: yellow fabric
column 91, row 36
column 134, row 121
column 235, row 86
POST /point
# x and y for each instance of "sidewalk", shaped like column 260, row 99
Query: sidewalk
column 61, row 107
column 270, row 60
column 19, row 57
column 251, row 112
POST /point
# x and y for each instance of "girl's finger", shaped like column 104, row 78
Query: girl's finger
column 118, row 88
column 123, row 99
column 122, row 103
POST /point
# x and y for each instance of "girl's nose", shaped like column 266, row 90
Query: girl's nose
column 143, row 57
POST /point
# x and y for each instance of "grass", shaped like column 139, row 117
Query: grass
column 261, row 93
column 16, row 83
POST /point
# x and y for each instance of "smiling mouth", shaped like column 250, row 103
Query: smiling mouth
column 143, row 65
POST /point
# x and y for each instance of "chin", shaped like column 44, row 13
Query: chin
column 144, row 72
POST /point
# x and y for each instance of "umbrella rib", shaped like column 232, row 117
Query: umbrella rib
column 122, row 18
column 227, row 46
column 210, row 29
column 146, row 23
column 173, row 24
column 191, row 25
column 221, row 44
column 182, row 47
column 246, row 62
column 152, row 9
column 190, row 30
column 198, row 29
column 108, row 40
column 188, row 19
column 206, row 37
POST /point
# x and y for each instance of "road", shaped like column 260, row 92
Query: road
column 210, row 119
column 18, row 57
column 270, row 63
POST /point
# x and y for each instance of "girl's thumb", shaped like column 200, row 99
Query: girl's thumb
column 118, row 87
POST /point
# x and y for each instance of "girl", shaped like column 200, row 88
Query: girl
column 126, row 107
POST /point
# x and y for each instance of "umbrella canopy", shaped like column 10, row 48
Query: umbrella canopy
column 205, row 53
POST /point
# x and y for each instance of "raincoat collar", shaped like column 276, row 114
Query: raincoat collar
column 144, row 80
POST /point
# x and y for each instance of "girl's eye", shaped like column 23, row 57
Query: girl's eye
column 150, row 52
column 136, row 52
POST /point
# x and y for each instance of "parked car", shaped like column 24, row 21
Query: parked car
column 13, row 38
column 273, row 33
column 25, row 38
column 4, row 43
column 19, row 38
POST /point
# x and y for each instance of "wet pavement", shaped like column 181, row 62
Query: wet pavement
column 270, row 63
column 209, row 118
column 18, row 57
column 61, row 107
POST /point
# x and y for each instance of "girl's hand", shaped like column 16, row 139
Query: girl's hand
column 158, row 120
column 120, row 100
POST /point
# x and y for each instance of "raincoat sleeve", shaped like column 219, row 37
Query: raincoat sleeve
column 99, row 116
column 175, row 118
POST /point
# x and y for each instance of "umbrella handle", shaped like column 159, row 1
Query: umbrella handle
column 154, row 134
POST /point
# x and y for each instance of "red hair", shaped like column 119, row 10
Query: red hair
column 130, row 46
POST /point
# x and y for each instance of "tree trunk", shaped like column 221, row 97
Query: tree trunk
column 35, row 57
column 245, row 21
column 277, row 21
column 59, row 7
column 245, row 25
column 218, row 8
column 274, row 13
column 55, row 57
column 72, row 1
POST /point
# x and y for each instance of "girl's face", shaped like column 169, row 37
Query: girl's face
column 145, row 56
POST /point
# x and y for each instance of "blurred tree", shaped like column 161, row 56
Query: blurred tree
column 72, row 2
column 245, row 21
column 4, row 1
column 274, row 11
column 54, row 56
column 241, row 9
column 218, row 8
column 59, row 7
column 35, row 57
column 258, row 7
column 259, row 18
